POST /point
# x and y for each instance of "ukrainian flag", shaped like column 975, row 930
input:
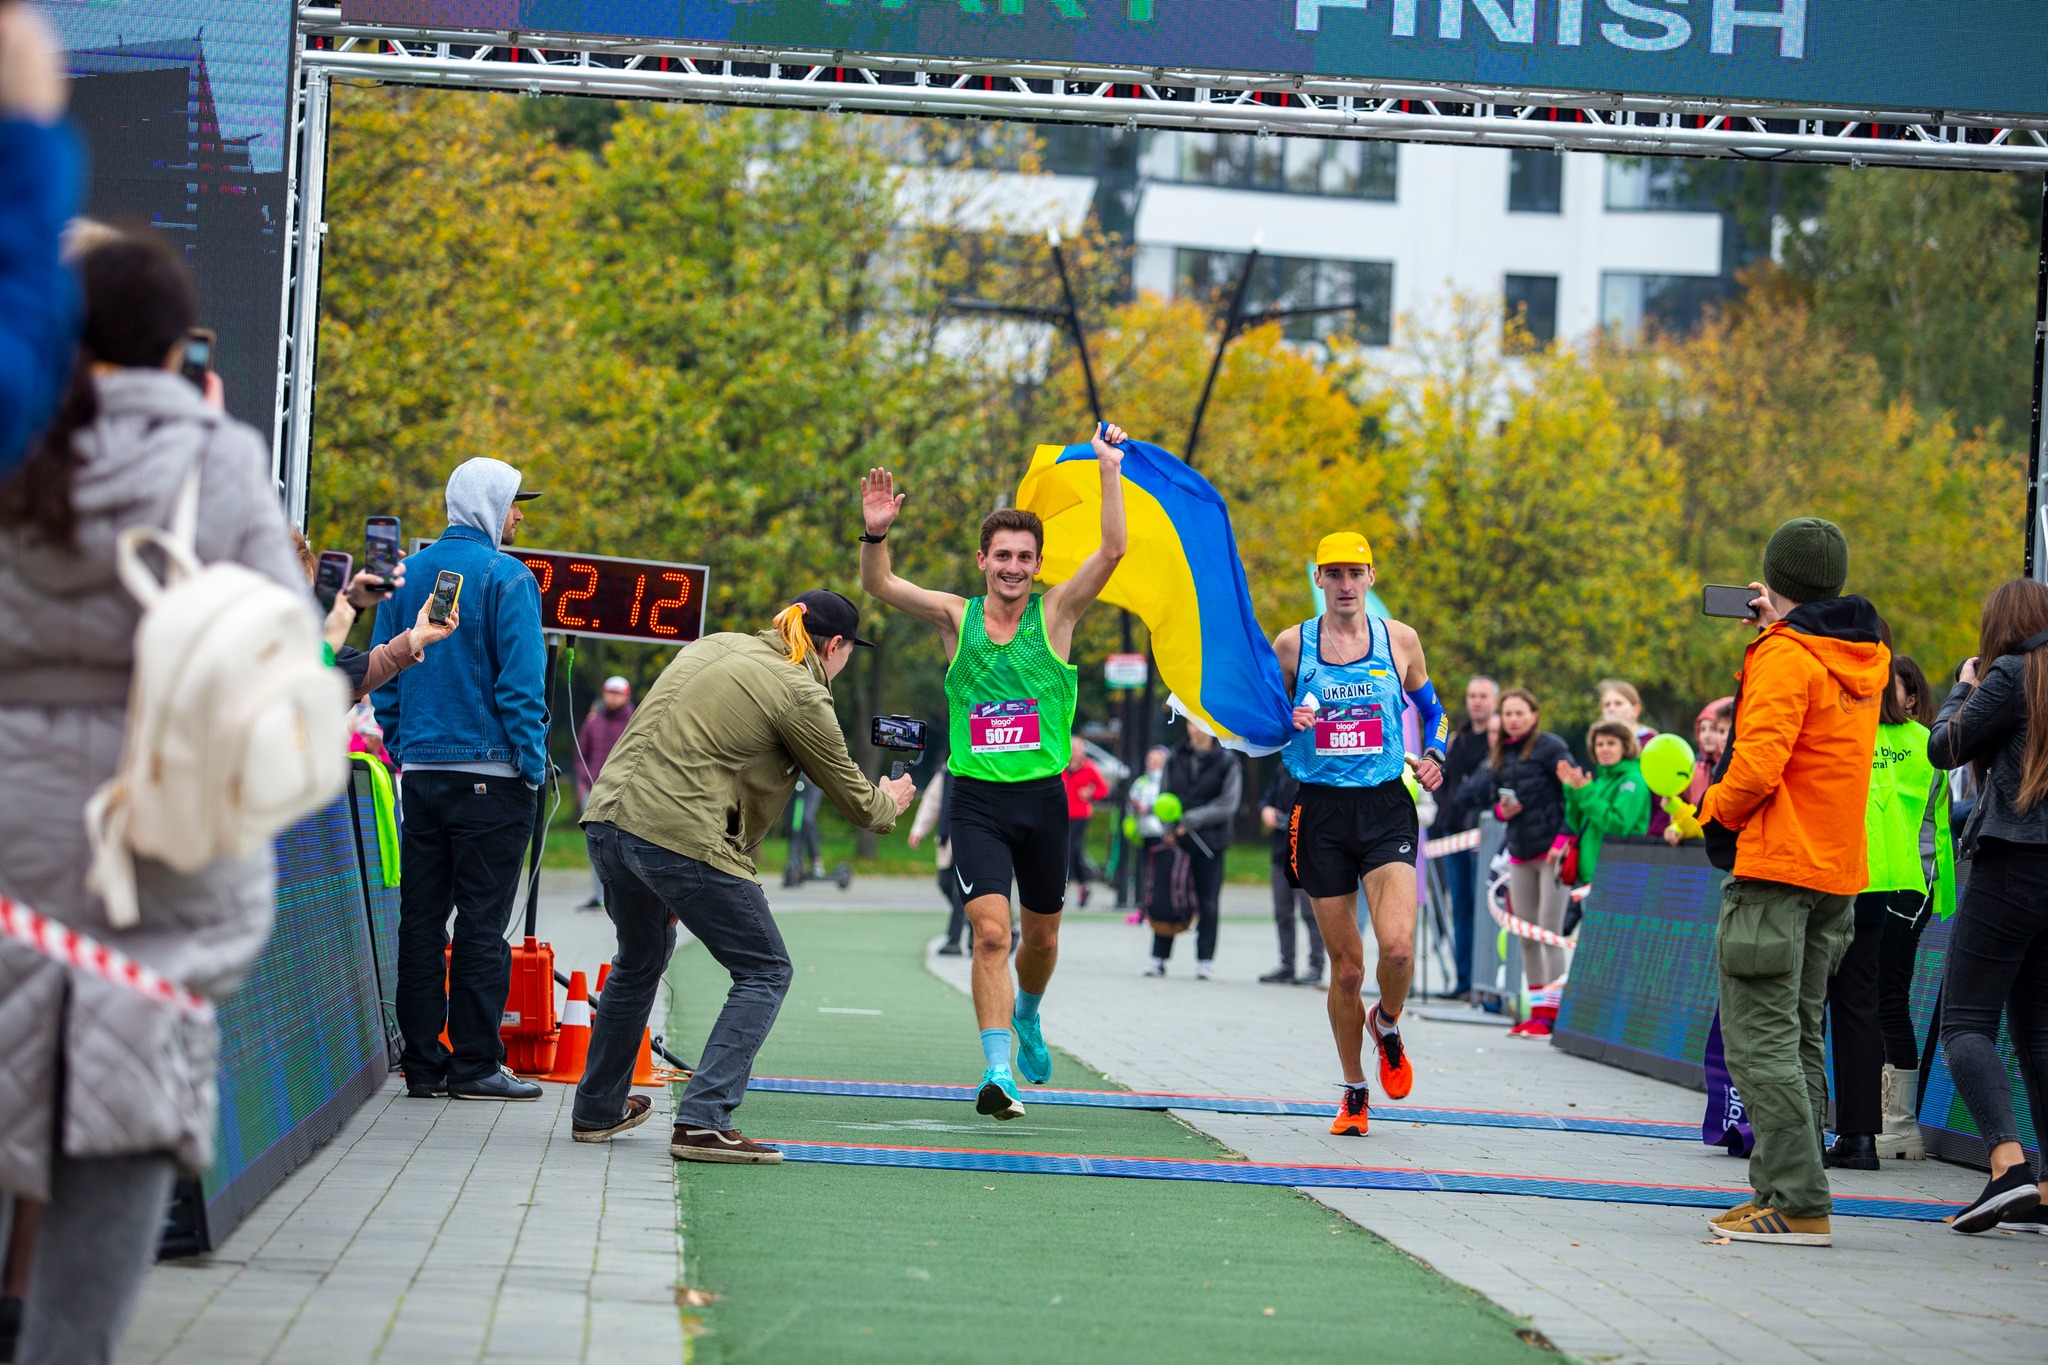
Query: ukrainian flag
column 1180, row 575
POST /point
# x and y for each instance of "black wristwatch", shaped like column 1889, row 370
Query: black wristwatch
column 1433, row 756
column 867, row 539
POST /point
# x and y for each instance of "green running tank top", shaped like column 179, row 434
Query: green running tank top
column 1011, row 706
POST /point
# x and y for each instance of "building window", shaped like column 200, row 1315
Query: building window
column 1533, row 299
column 1637, row 184
column 1535, row 181
column 1337, row 168
column 1361, row 293
column 1672, row 303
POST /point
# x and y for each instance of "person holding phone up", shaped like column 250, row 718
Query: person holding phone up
column 674, row 820
column 369, row 669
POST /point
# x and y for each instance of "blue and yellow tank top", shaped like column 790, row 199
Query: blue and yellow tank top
column 1356, row 738
column 1011, row 705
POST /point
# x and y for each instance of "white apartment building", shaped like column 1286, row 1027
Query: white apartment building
column 1577, row 241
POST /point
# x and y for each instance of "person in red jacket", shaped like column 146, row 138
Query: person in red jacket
column 1790, row 800
column 1085, row 786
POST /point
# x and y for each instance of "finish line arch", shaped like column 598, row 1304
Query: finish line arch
column 1950, row 84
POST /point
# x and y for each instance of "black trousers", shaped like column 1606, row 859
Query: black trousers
column 1897, row 953
column 1207, row 870
column 956, row 912
column 1998, row 964
column 464, row 842
column 1079, row 870
column 1853, row 1023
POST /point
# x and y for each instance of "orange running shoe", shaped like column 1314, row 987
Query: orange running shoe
column 1397, row 1074
column 1351, row 1110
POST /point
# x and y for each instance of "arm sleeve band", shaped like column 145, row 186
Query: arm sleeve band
column 1431, row 722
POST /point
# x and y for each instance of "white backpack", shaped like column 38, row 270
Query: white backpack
column 236, row 726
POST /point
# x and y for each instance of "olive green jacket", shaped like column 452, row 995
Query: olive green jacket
column 710, row 758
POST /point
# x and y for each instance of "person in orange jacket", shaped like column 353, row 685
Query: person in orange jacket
column 1784, row 817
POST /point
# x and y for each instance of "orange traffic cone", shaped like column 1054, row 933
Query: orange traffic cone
column 572, row 1051
column 643, row 1065
column 604, row 972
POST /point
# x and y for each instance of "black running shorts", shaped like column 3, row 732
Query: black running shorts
column 1003, row 830
column 1338, row 834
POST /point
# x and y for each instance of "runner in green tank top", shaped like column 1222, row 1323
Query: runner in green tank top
column 1010, row 696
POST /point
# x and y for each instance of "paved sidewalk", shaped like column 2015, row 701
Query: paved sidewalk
column 437, row 1230
column 1604, row 1282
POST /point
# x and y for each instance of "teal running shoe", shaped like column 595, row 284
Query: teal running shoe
column 998, row 1097
column 1032, row 1058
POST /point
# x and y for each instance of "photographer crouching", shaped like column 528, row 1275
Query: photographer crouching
column 697, row 781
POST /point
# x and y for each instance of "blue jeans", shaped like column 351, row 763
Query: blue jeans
column 1461, row 870
column 647, row 889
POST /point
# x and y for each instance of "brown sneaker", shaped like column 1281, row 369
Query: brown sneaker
column 1740, row 1211
column 708, row 1144
column 1768, row 1225
column 638, row 1107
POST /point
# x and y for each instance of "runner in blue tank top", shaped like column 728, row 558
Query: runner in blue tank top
column 1351, row 677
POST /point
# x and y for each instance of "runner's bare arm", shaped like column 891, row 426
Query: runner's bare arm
column 879, row 505
column 1287, row 644
column 1066, row 601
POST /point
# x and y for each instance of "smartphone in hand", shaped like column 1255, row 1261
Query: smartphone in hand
column 380, row 547
column 198, row 357
column 447, row 591
column 1729, row 603
column 331, row 579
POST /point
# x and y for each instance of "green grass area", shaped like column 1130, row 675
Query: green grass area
column 1245, row 862
column 818, row 1263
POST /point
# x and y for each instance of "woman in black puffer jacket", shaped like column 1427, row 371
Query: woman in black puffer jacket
column 1998, row 950
column 1523, row 763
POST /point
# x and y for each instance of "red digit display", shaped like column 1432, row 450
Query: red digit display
column 619, row 599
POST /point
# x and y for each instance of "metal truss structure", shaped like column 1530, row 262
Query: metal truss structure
column 1618, row 123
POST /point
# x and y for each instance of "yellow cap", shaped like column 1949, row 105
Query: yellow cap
column 1343, row 547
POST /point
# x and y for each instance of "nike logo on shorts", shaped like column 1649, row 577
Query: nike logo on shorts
column 965, row 889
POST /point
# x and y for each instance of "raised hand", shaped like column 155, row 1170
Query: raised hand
column 1106, row 440
column 879, row 501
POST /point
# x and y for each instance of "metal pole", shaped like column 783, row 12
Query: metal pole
column 1231, row 322
column 294, row 451
column 540, row 814
column 2037, row 502
column 1059, row 261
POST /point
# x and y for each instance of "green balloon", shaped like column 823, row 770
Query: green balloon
column 1168, row 809
column 1667, row 765
column 1130, row 827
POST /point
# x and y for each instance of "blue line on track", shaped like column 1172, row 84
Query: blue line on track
column 1231, row 1104
column 1323, row 1177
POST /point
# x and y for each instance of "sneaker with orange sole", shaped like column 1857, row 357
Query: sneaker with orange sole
column 1397, row 1073
column 1352, row 1111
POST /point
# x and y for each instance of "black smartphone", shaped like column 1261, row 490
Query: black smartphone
column 902, row 733
column 380, row 547
column 331, row 579
column 198, row 357
column 447, row 590
column 1718, row 599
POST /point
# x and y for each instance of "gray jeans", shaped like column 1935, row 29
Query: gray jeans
column 99, row 1238
column 645, row 886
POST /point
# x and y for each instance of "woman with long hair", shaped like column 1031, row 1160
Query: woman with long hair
column 1889, row 915
column 1997, row 720
column 129, row 432
column 1519, row 780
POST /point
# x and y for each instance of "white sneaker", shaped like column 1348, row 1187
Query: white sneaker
column 1157, row 967
column 1205, row 971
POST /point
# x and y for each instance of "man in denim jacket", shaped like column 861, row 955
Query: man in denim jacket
column 468, row 726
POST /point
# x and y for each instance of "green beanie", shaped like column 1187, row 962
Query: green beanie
column 1807, row 560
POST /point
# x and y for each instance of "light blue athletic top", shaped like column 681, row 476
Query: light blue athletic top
column 1356, row 738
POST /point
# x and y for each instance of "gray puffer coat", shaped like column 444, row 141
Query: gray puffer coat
column 138, row 1076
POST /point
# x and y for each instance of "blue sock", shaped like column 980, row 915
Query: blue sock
column 995, row 1046
column 1027, row 1005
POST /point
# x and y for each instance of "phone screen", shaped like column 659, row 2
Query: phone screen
column 896, row 732
column 380, row 545
column 198, row 357
column 332, row 578
column 1728, row 602
column 447, row 588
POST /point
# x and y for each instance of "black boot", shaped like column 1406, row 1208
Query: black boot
column 1281, row 975
column 1852, row 1152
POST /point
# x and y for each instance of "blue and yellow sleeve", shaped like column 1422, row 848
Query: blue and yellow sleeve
column 1431, row 723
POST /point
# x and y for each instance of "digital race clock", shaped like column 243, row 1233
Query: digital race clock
column 619, row 599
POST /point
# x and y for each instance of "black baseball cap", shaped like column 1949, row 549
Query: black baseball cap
column 827, row 614
column 526, row 495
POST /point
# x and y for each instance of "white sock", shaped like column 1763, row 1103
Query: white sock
column 1380, row 1025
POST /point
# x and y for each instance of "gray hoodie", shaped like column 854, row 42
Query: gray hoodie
column 480, row 494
